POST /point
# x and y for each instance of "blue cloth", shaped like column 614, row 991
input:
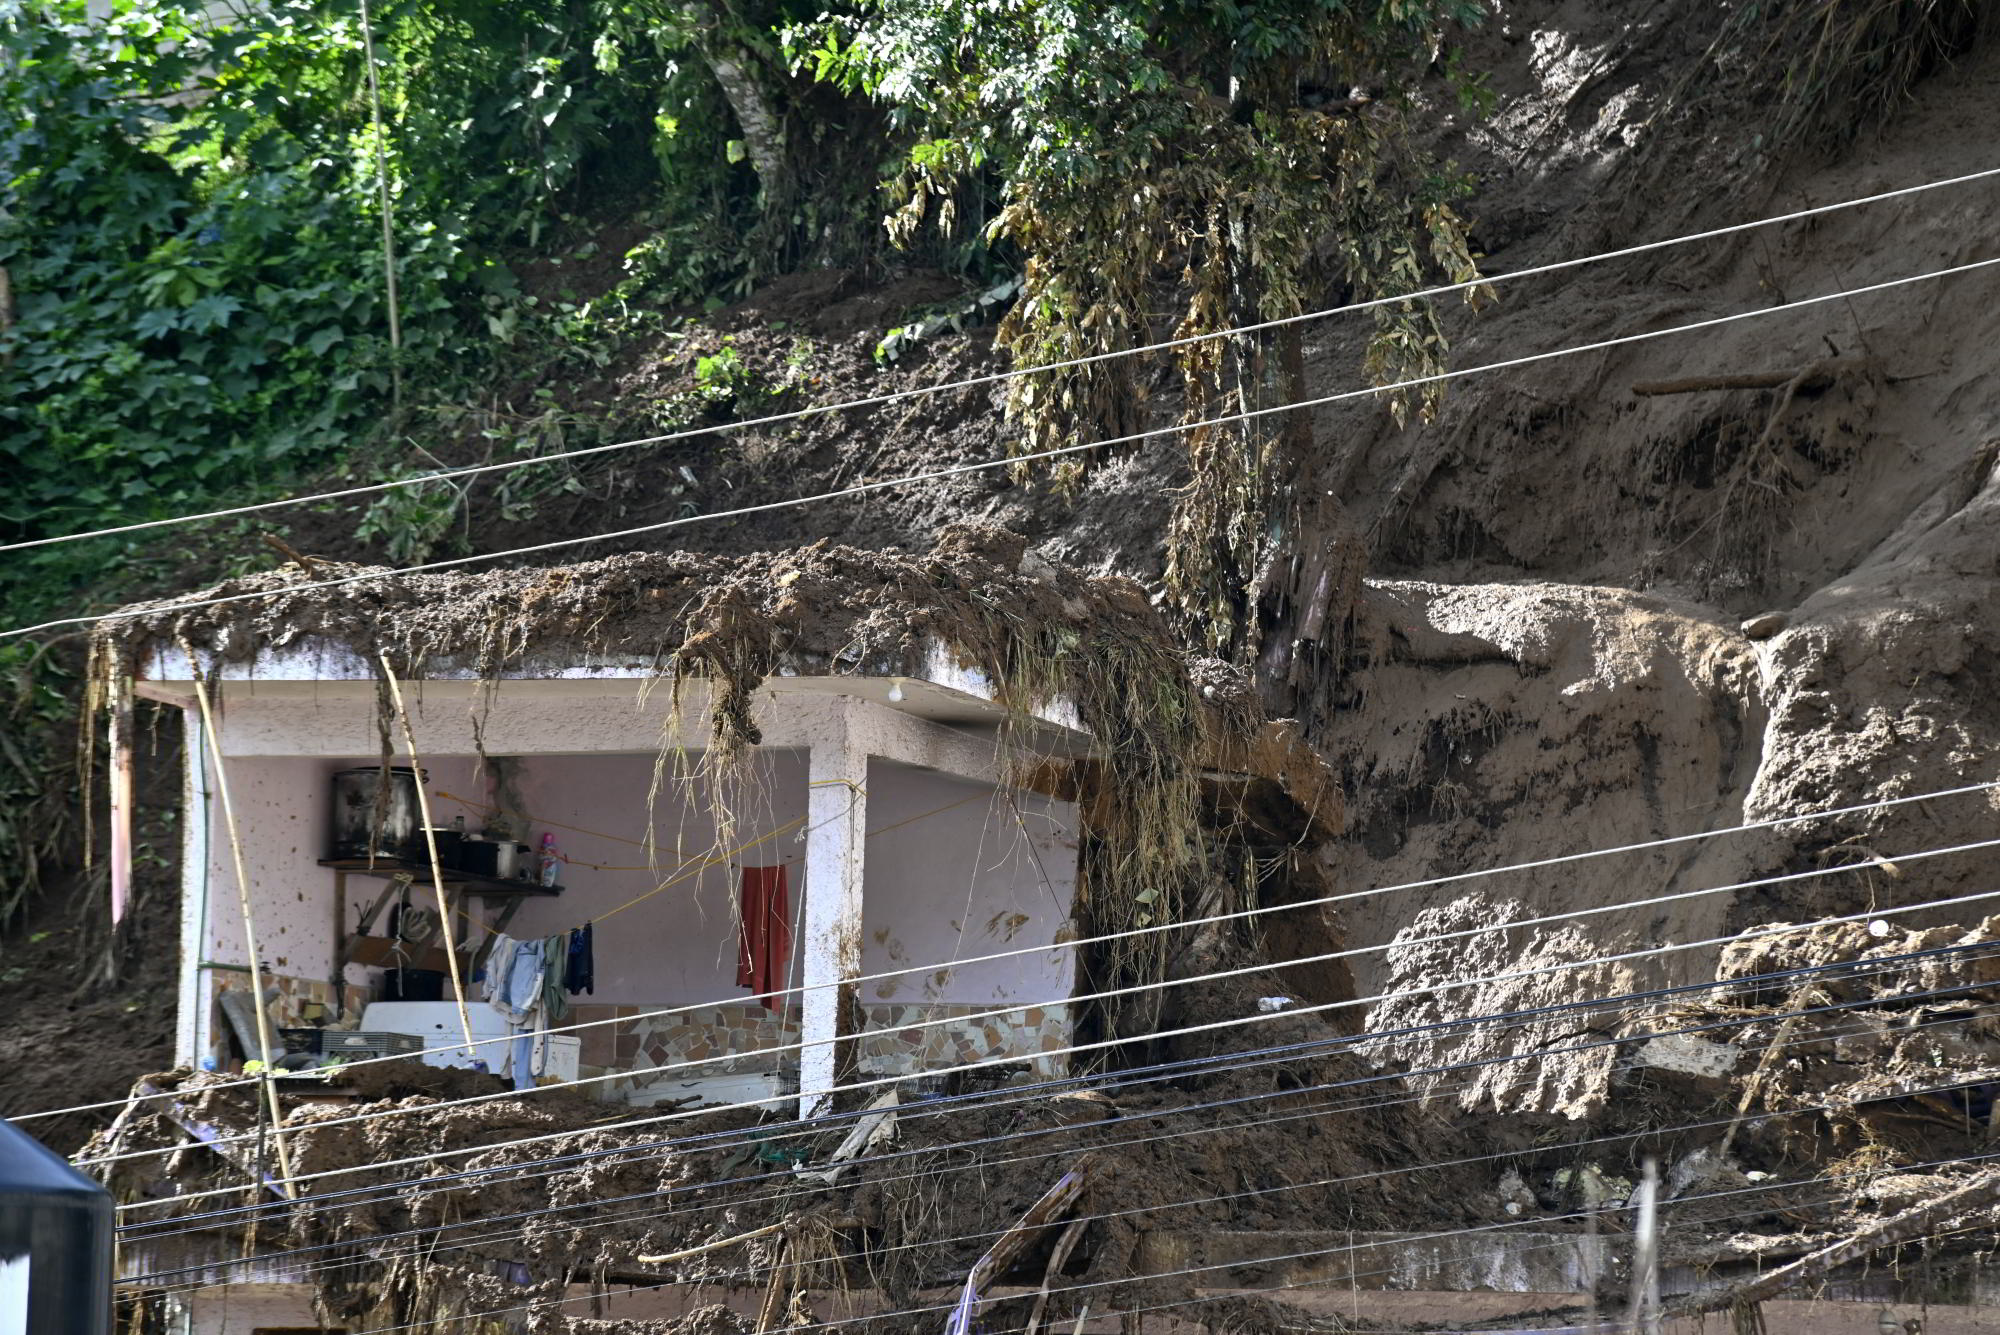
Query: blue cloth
column 515, row 984
column 581, row 975
column 524, row 1059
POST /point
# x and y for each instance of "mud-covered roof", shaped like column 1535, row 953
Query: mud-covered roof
column 1039, row 632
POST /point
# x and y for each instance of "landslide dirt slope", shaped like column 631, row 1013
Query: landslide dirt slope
column 1552, row 655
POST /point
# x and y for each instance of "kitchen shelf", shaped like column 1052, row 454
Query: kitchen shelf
column 488, row 887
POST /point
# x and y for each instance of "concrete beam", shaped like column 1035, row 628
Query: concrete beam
column 836, row 825
column 878, row 730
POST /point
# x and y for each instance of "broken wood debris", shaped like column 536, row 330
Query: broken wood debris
column 1052, row 1205
column 687, row 1252
column 1935, row 1216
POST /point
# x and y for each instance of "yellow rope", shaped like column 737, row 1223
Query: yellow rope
column 694, row 866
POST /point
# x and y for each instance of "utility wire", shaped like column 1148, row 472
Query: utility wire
column 431, row 1247
column 975, row 382
column 955, row 470
column 1184, row 1068
column 1623, row 1326
column 1171, row 1070
column 1178, row 924
column 1757, row 1188
column 1647, row 952
column 1159, row 985
column 1196, row 1068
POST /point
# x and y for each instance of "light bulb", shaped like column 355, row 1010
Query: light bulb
column 896, row 691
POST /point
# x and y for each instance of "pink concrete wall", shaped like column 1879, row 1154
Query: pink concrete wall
column 677, row 948
column 981, row 876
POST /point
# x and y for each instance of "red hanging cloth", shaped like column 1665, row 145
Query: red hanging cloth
column 764, row 933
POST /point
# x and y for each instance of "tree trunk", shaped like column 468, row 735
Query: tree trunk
column 763, row 132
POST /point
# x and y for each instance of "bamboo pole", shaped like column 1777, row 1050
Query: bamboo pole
column 264, row 1054
column 430, row 844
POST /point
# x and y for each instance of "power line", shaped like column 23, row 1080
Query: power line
column 931, row 1309
column 1647, row 952
column 955, row 470
column 1177, row 925
column 1620, row 1327
column 1144, row 1075
column 1818, row 1036
column 975, row 382
column 1181, row 1068
column 1158, row 985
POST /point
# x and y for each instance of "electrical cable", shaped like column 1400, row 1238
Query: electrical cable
column 1180, row 924
column 956, row 470
column 1173, row 1070
column 1261, row 1017
column 1160, row 985
column 1467, row 1231
column 1616, row 1327
column 433, row 1233
column 975, row 382
column 1775, row 929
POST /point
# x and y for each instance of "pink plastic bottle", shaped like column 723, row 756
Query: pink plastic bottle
column 549, row 869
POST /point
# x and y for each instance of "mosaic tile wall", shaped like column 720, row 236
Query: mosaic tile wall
column 287, row 1012
column 893, row 1042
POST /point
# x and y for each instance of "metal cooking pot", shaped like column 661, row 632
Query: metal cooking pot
column 369, row 821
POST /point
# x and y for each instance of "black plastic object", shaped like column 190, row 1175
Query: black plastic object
column 55, row 1243
column 413, row 985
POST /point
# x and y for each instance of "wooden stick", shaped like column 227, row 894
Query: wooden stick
column 249, row 932
column 705, row 1247
column 430, row 843
column 1064, row 1246
column 767, row 1317
column 1052, row 1205
column 1916, row 1222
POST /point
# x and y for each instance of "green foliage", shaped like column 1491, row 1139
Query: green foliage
column 1257, row 155
column 191, row 230
column 34, row 822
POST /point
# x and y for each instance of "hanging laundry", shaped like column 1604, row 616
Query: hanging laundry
column 514, row 979
column 582, row 973
column 764, row 933
column 555, row 957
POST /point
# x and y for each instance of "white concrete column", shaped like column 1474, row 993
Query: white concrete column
column 192, row 994
column 830, row 953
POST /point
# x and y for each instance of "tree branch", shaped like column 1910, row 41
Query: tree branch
column 1919, row 1221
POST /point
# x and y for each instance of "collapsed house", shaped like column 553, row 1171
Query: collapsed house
column 774, row 825
column 920, row 803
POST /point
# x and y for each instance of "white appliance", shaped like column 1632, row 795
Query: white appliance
column 437, row 1024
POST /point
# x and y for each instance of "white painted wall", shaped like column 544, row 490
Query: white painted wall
column 966, row 881
column 676, row 948
column 242, row 1309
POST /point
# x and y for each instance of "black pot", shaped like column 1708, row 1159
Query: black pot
column 449, row 842
column 412, row 985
